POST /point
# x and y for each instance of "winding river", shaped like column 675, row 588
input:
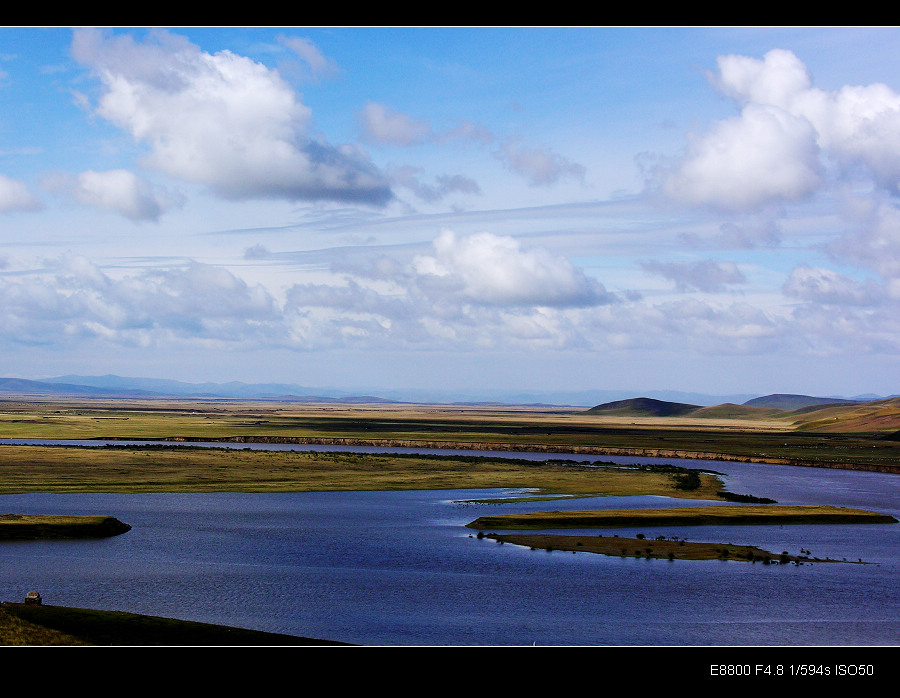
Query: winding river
column 400, row 568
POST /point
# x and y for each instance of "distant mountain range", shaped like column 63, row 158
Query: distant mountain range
column 119, row 387
column 658, row 403
column 796, row 402
column 659, row 408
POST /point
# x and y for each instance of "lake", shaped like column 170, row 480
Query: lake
column 400, row 568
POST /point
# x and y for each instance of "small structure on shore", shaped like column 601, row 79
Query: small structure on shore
column 32, row 598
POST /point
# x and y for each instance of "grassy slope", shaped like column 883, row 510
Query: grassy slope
column 58, row 625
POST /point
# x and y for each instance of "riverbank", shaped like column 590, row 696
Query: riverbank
column 537, row 447
column 44, row 625
column 749, row 439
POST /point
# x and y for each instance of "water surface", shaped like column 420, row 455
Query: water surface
column 400, row 568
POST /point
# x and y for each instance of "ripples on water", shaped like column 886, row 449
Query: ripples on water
column 400, row 568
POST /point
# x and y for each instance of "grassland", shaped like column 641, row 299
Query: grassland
column 187, row 469
column 850, row 437
column 844, row 436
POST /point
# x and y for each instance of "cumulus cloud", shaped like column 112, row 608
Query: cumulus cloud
column 120, row 191
column 764, row 155
column 496, row 270
column 540, row 166
column 74, row 298
column 222, row 120
column 873, row 240
column 818, row 285
column 707, row 275
column 787, row 135
column 15, row 196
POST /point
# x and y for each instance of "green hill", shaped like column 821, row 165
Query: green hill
column 787, row 402
column 644, row 407
column 729, row 410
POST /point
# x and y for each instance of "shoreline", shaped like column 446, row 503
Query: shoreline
column 682, row 454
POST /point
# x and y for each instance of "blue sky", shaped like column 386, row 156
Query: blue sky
column 698, row 209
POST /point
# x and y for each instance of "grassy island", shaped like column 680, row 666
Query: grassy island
column 658, row 548
column 752, row 515
column 48, row 527
column 668, row 548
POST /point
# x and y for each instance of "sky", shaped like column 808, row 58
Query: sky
column 707, row 209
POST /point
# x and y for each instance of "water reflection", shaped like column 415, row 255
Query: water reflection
column 400, row 568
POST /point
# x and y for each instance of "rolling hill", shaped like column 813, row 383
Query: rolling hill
column 789, row 402
column 644, row 407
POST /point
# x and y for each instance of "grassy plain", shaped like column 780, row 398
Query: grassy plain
column 844, row 436
column 726, row 433
column 189, row 469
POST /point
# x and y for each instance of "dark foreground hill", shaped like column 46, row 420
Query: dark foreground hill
column 22, row 624
column 644, row 407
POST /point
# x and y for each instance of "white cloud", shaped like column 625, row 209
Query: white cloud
column 14, row 196
column 121, row 191
column 317, row 65
column 818, row 285
column 540, row 166
column 873, row 238
column 764, row 155
column 382, row 124
column 495, row 270
column 705, row 275
column 775, row 80
column 408, row 177
column 196, row 304
column 787, row 134
column 222, row 120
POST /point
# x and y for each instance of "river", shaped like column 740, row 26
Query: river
column 400, row 568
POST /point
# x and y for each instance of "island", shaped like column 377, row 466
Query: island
column 751, row 515
column 49, row 527
column 671, row 547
